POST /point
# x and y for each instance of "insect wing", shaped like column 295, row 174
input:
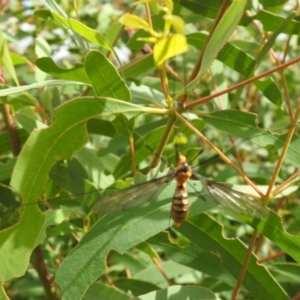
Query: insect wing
column 133, row 196
column 235, row 201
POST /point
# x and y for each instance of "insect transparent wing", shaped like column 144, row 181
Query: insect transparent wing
column 132, row 196
column 235, row 201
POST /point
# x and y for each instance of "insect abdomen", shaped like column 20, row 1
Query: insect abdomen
column 180, row 205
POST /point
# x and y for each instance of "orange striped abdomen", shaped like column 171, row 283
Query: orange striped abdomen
column 180, row 205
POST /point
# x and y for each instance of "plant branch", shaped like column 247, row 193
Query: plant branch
column 220, row 153
column 37, row 260
column 283, row 152
column 11, row 129
column 240, row 84
column 244, row 267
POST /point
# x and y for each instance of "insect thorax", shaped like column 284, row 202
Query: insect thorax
column 183, row 171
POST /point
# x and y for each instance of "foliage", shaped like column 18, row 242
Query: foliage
column 82, row 118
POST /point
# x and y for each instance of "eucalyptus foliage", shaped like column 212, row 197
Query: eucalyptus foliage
column 96, row 97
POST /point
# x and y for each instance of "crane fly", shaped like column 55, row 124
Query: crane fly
column 138, row 194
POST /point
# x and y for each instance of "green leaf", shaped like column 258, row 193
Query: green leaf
column 121, row 232
column 98, row 290
column 146, row 248
column 270, row 22
column 83, row 190
column 231, row 55
column 221, row 34
column 37, row 85
column 28, row 123
column 57, row 13
column 285, row 272
column 136, row 41
column 81, row 29
column 243, row 125
column 272, row 39
column 172, row 271
column 273, row 230
column 138, row 70
column 180, row 292
column 223, row 31
column 21, row 100
column 193, row 257
column 76, row 73
column 5, row 143
column 206, row 233
column 38, row 156
column 128, row 261
column 67, row 174
column 6, row 59
column 208, row 8
column 123, row 126
column 7, row 168
column 135, row 286
column 91, row 35
column 270, row 3
column 270, row 90
column 143, row 94
column 104, row 78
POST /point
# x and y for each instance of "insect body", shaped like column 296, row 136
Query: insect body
column 138, row 194
column 180, row 204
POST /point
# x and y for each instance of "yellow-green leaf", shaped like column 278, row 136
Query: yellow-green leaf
column 168, row 47
column 177, row 23
column 133, row 21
